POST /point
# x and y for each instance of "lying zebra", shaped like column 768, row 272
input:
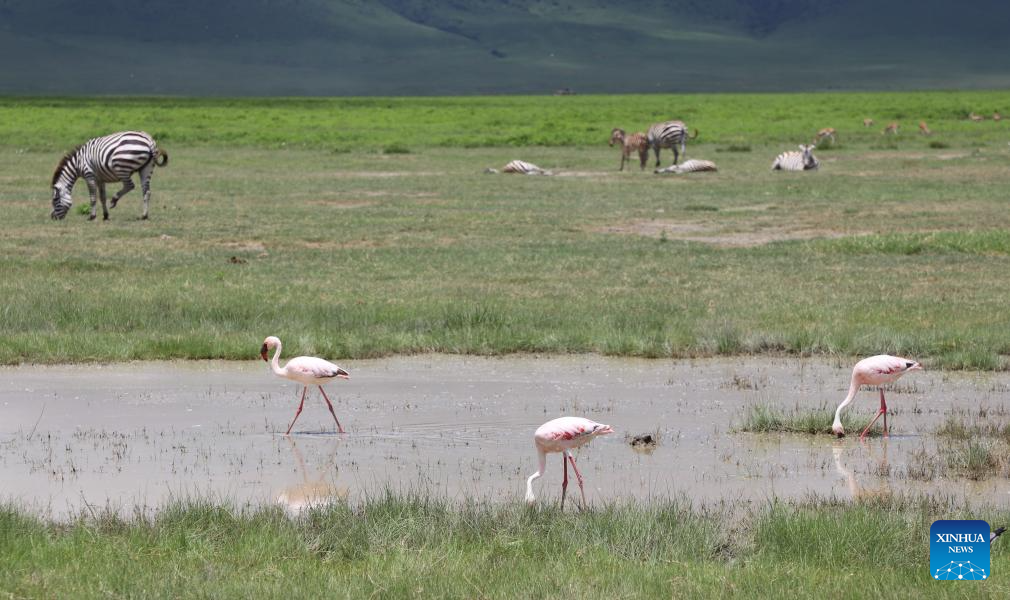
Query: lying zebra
column 797, row 161
column 690, row 166
column 636, row 142
column 521, row 167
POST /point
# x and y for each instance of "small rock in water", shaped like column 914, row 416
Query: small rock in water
column 639, row 441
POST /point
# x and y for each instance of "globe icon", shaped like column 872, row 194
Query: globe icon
column 962, row 569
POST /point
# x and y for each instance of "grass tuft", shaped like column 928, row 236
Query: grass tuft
column 762, row 418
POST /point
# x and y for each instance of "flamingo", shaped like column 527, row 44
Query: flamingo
column 879, row 371
column 563, row 435
column 306, row 370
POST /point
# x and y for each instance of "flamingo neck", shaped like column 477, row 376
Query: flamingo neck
column 853, row 388
column 542, row 457
column 275, row 362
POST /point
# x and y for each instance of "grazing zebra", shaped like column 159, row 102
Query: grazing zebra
column 104, row 160
column 891, row 128
column 924, row 129
column 520, row 167
column 636, row 142
column 867, row 122
column 670, row 134
column 826, row 133
column 690, row 166
column 797, row 161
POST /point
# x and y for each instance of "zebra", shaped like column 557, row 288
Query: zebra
column 635, row 141
column 520, row 167
column 797, row 161
column 102, row 160
column 670, row 134
column 690, row 166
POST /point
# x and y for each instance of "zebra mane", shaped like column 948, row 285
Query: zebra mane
column 63, row 163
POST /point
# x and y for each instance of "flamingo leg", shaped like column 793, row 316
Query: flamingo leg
column 883, row 409
column 299, row 411
column 578, row 476
column 340, row 429
column 564, row 482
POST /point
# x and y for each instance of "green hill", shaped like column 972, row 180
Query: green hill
column 315, row 47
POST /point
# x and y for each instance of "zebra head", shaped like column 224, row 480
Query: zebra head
column 809, row 161
column 61, row 201
column 616, row 136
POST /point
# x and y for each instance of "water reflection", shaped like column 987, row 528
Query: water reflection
column 317, row 486
column 860, row 491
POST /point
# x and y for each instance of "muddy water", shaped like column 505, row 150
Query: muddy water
column 137, row 435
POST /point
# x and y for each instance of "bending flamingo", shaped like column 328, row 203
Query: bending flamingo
column 306, row 370
column 879, row 371
column 563, row 435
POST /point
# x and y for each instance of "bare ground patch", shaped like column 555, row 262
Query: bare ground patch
column 707, row 233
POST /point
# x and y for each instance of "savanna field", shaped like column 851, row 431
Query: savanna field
column 363, row 228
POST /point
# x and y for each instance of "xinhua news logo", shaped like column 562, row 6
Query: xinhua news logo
column 959, row 550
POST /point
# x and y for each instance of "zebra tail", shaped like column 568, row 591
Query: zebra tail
column 695, row 136
column 164, row 156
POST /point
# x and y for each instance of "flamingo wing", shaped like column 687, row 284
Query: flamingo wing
column 316, row 368
column 889, row 365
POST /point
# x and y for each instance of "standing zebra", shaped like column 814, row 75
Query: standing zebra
column 670, row 134
column 104, row 160
column 797, row 161
column 635, row 142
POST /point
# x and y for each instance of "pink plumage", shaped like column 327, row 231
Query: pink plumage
column 306, row 370
column 563, row 435
column 878, row 371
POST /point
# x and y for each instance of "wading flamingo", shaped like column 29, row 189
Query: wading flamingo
column 563, row 435
column 879, row 371
column 306, row 370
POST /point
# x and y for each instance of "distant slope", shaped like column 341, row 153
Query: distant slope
column 354, row 47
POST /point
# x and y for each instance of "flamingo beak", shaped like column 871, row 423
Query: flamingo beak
column 263, row 352
column 342, row 374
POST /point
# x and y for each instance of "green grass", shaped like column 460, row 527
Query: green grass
column 360, row 253
column 732, row 122
column 416, row 547
column 762, row 418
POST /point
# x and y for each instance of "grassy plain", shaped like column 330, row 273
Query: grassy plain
column 413, row 547
column 363, row 227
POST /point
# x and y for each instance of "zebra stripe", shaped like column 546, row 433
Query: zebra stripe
column 797, row 161
column 524, row 168
column 690, row 166
column 671, row 134
column 107, row 159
